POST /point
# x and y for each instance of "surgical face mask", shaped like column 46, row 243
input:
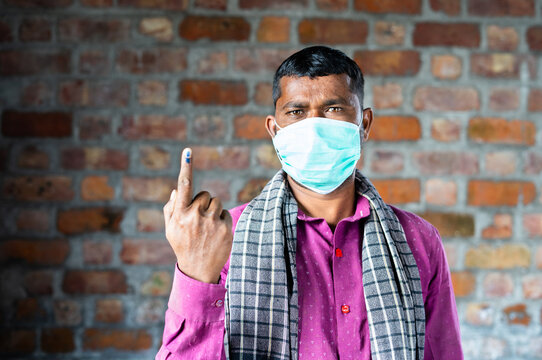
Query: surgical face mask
column 319, row 153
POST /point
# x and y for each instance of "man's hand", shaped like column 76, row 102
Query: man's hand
column 198, row 229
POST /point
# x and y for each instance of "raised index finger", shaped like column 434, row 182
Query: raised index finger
column 184, row 184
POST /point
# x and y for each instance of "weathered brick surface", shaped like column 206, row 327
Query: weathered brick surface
column 99, row 97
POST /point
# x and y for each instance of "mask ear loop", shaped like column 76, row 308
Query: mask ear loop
column 277, row 125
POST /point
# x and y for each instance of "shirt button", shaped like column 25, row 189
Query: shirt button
column 219, row 303
column 338, row 252
column 345, row 309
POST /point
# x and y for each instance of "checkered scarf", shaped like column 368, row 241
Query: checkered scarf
column 261, row 301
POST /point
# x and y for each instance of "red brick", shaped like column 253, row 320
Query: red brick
column 503, row 38
column 34, row 124
column 214, row 28
column 432, row 98
column 479, row 314
column 451, row 252
column 441, row 34
column 67, row 312
column 101, row 93
column 532, row 286
column 17, row 341
column 57, row 340
column 446, row 163
column 534, row 38
column 501, row 228
column 332, row 5
column 97, row 3
column 6, row 35
column 176, row 5
column 451, row 224
column 36, row 93
column 94, row 127
column 38, row 188
column 153, row 127
column 93, row 30
column 251, row 189
column 503, row 99
column 501, row 257
column 33, row 220
column 332, row 31
column 77, row 221
column 213, row 62
column 109, row 311
column 250, row 126
column 151, row 61
column 274, row 29
column 93, row 62
column 389, row 33
column 398, row 191
column 36, row 252
column 263, row 94
column 209, row 127
column 212, row 4
column 217, row 188
column 395, row 128
column 532, row 223
column 387, row 96
column 39, row 282
column 93, row 158
column 28, row 310
column 39, row 3
column 499, row 193
column 533, row 163
column 449, row 7
column 97, row 253
column 388, row 62
column 535, row 100
column 31, row 157
column 152, row 92
column 160, row 28
column 389, row 6
column 517, row 315
column 272, row 4
column 495, row 65
column 150, row 220
column 446, row 67
column 260, row 60
column 440, row 192
column 445, row 130
column 35, row 29
column 159, row 284
column 96, row 188
column 221, row 157
column 154, row 157
column 86, row 282
column 501, row 131
column 387, row 162
column 124, row 340
column 266, row 156
column 501, row 7
column 500, row 163
column 149, row 252
column 156, row 189
column 213, row 92
column 464, row 283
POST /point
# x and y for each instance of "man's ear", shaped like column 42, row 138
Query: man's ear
column 270, row 125
column 367, row 122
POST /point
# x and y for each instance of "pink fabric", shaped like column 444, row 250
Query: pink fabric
column 327, row 281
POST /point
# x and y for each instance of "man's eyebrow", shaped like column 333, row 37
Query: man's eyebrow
column 337, row 100
column 294, row 104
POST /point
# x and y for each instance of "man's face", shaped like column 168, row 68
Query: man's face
column 326, row 96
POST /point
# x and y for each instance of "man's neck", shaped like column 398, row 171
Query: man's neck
column 333, row 207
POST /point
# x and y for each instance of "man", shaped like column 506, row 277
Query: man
column 317, row 266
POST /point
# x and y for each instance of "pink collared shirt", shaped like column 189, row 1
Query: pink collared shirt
column 332, row 314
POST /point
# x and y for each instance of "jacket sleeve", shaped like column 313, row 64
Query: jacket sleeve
column 442, row 335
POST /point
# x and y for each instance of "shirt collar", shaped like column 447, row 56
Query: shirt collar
column 362, row 210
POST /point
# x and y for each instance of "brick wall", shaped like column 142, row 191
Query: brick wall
column 98, row 98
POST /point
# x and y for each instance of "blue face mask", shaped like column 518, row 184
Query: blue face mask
column 319, row 153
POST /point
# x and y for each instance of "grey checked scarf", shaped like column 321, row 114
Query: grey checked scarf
column 261, row 301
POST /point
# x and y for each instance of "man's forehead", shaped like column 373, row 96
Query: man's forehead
column 332, row 79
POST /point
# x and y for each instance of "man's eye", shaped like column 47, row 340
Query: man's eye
column 335, row 109
column 295, row 112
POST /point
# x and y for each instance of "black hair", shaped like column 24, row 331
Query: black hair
column 315, row 61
